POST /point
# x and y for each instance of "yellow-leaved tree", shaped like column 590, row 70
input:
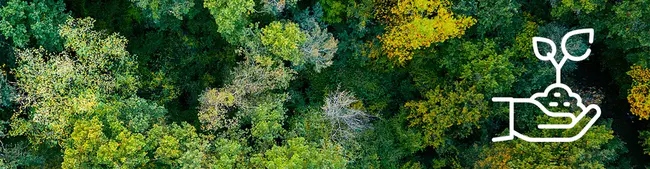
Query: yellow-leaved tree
column 416, row 24
column 639, row 95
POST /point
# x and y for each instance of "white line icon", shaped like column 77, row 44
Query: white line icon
column 558, row 85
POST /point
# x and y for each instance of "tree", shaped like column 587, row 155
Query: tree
column 598, row 148
column 495, row 18
column 251, row 78
column 575, row 7
column 7, row 93
column 320, row 46
column 283, row 40
column 178, row 146
column 228, row 154
column 638, row 95
column 356, row 14
column 313, row 46
column 345, row 120
column 83, row 100
column 627, row 22
column 165, row 14
column 267, row 119
column 276, row 7
column 18, row 155
column 34, row 23
column 533, row 75
column 85, row 140
column 443, row 115
column 95, row 67
column 297, row 153
column 334, row 10
column 645, row 141
column 411, row 28
column 231, row 17
column 478, row 64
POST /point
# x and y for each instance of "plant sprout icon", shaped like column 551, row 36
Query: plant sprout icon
column 557, row 89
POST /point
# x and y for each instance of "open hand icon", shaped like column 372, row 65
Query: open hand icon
column 559, row 94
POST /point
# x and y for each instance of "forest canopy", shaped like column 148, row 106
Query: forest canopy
column 315, row 83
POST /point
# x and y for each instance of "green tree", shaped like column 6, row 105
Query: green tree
column 645, row 141
column 297, row 153
column 356, row 14
column 19, row 155
column 86, row 96
column 496, row 18
column 446, row 115
column 334, row 10
column 276, row 7
column 165, row 14
column 232, row 17
column 57, row 86
column 7, row 93
column 320, row 46
column 33, row 23
column 85, row 140
column 576, row 7
column 628, row 19
column 178, row 146
column 250, row 79
column 534, row 75
column 283, row 40
column 598, row 148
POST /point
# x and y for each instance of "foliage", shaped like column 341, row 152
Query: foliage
column 638, row 95
column 178, row 146
column 312, row 84
column 278, row 6
column 446, row 114
column 85, row 95
column 18, row 155
column 476, row 63
column 628, row 23
column 576, row 7
column 267, row 119
column 58, row 86
column 333, row 10
column 165, row 13
column 494, row 18
column 358, row 14
column 320, row 46
column 231, row 17
column 34, row 23
column 7, row 92
column 645, row 141
column 410, row 28
column 597, row 149
column 283, row 40
column 297, row 153
column 534, row 75
column 248, row 79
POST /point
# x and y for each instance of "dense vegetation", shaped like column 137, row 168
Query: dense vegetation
column 313, row 83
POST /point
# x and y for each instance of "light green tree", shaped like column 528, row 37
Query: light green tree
column 298, row 153
column 231, row 17
column 283, row 40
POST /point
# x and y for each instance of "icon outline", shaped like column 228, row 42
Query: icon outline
column 512, row 133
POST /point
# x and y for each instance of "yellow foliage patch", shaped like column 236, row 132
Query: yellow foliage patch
column 416, row 24
column 639, row 95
